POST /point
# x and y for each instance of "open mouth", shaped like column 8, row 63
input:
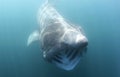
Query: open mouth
column 68, row 58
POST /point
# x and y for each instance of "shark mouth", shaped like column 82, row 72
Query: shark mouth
column 68, row 59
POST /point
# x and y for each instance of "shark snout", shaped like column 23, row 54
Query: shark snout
column 80, row 41
column 83, row 42
column 76, row 40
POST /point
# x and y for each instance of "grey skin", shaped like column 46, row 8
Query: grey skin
column 62, row 43
column 55, row 40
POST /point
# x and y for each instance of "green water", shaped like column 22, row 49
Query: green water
column 99, row 18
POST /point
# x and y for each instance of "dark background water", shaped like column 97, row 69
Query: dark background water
column 99, row 18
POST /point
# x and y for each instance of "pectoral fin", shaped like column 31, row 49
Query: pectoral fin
column 33, row 37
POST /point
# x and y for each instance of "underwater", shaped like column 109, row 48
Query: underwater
column 99, row 19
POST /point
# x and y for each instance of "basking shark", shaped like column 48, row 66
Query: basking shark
column 61, row 42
